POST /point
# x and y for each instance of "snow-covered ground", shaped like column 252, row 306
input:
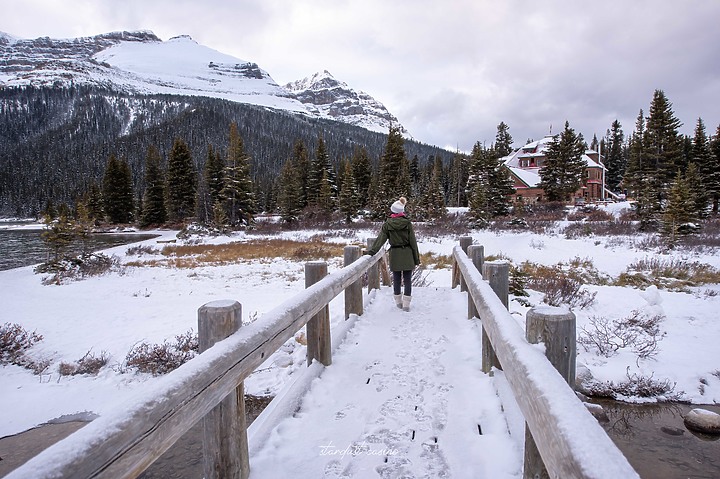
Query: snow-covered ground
column 114, row 312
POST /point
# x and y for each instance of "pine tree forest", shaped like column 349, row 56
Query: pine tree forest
column 159, row 159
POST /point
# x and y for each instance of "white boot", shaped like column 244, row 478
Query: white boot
column 398, row 300
column 406, row 303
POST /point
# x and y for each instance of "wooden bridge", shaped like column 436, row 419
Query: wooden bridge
column 385, row 408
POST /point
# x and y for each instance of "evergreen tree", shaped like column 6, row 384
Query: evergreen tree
column 501, row 190
column 479, row 211
column 562, row 173
column 432, row 203
column 415, row 175
column 154, row 212
column 489, row 186
column 615, row 161
column 362, row 174
column 237, row 193
column 699, row 199
column 391, row 185
column 94, row 203
column 289, row 192
column 459, row 174
column 118, row 191
column 326, row 197
column 219, row 217
column 181, row 182
column 701, row 156
column 58, row 236
column 503, row 140
column 214, row 173
column 712, row 177
column 301, row 165
column 679, row 213
column 655, row 157
column 321, row 175
column 348, row 200
column 639, row 178
column 663, row 147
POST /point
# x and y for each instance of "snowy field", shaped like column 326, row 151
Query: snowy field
column 112, row 313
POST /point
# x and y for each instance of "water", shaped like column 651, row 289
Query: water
column 25, row 247
column 655, row 441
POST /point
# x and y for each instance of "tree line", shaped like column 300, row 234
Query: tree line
column 227, row 162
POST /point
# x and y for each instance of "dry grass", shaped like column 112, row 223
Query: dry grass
column 191, row 256
column 671, row 274
column 437, row 261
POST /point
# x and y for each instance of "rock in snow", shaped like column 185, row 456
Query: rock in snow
column 702, row 420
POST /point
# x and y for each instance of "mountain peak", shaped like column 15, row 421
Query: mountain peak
column 326, row 96
column 182, row 38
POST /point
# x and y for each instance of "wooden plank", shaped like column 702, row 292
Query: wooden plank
column 225, row 443
column 571, row 442
column 124, row 442
column 318, row 328
column 373, row 272
column 353, row 293
column 497, row 274
column 555, row 328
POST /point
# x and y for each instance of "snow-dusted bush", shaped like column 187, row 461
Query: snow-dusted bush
column 94, row 264
column 15, row 342
column 140, row 250
column 88, row 364
column 634, row 386
column 638, row 332
column 672, row 274
column 563, row 283
column 158, row 359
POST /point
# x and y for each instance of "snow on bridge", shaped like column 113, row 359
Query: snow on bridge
column 404, row 397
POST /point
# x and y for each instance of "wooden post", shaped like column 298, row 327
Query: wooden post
column 225, row 443
column 465, row 242
column 555, row 327
column 497, row 273
column 476, row 253
column 374, row 271
column 353, row 293
column 318, row 328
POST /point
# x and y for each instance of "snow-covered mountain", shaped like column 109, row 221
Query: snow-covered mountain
column 326, row 96
column 141, row 63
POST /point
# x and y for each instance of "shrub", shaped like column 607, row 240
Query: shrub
column 140, row 250
column 94, row 264
column 563, row 290
column 634, row 386
column 563, row 283
column 638, row 332
column 445, row 225
column 15, row 342
column 88, row 364
column 158, row 359
column 518, row 281
column 672, row 274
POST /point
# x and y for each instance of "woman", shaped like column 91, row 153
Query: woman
column 404, row 254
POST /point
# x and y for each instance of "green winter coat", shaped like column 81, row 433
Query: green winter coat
column 399, row 232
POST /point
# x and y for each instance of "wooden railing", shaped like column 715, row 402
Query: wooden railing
column 123, row 443
column 563, row 440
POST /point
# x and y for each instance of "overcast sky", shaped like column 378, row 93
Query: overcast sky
column 450, row 70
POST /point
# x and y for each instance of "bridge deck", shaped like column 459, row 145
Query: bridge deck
column 404, row 397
